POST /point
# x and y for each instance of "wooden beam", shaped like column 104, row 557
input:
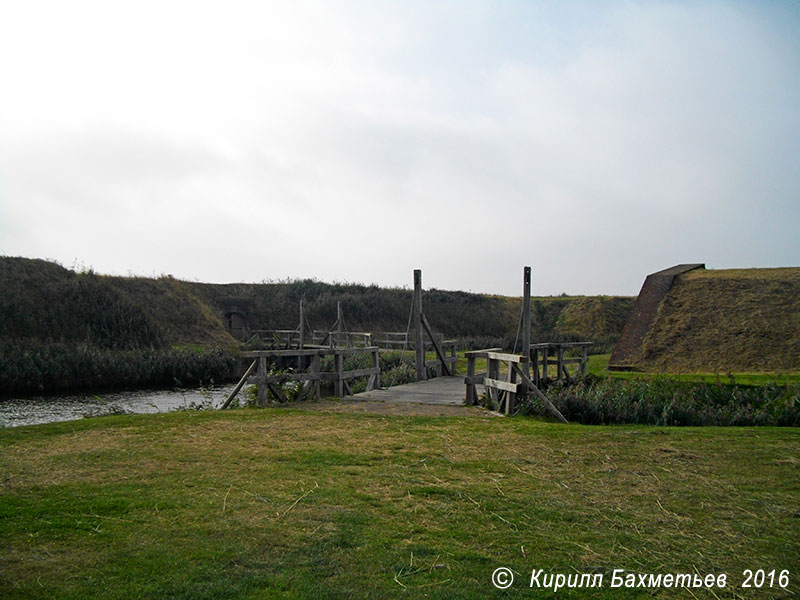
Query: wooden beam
column 550, row 406
column 512, row 358
column 499, row 384
column 239, row 385
column 526, row 316
column 436, row 347
column 419, row 346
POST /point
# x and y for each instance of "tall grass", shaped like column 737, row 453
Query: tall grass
column 666, row 401
column 28, row 368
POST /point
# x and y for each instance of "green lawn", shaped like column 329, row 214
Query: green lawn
column 280, row 503
column 598, row 365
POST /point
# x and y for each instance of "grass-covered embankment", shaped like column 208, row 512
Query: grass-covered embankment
column 61, row 330
column 280, row 503
column 64, row 330
column 744, row 320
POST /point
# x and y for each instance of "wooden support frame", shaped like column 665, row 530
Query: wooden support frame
column 553, row 353
column 502, row 393
column 473, row 379
column 442, row 364
column 312, row 377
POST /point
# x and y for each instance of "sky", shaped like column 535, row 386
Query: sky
column 355, row 141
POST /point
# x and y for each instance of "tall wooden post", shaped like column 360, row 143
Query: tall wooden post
column 339, row 324
column 526, row 322
column 300, row 364
column 302, row 325
column 419, row 342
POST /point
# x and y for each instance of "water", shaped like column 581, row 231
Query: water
column 49, row 409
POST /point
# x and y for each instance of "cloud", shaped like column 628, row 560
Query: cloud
column 357, row 141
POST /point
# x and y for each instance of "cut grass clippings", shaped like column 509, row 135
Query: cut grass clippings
column 282, row 503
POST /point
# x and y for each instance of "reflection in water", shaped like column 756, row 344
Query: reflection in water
column 48, row 409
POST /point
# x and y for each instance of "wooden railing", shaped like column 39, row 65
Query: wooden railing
column 540, row 359
column 400, row 340
column 311, row 376
column 473, row 379
column 502, row 393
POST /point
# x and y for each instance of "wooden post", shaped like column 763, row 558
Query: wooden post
column 526, row 322
column 545, row 359
column 535, row 359
column 584, row 360
column 560, row 365
column 374, row 381
column 262, row 381
column 418, row 339
column 315, row 370
column 338, row 360
column 339, row 323
column 472, row 394
column 239, row 385
column 511, row 396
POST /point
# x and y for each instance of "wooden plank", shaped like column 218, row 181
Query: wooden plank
column 474, row 379
column 500, row 384
column 339, row 383
column 315, row 371
column 275, row 392
column 282, row 353
column 511, row 358
column 436, row 346
column 545, row 400
column 239, row 385
column 481, row 353
column 262, row 389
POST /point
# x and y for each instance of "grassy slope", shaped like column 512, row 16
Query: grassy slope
column 284, row 504
column 45, row 303
column 744, row 320
column 42, row 301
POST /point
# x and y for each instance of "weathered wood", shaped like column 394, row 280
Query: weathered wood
column 262, row 374
column 239, row 385
column 436, row 346
column 510, row 358
column 545, row 352
column 481, row 353
column 550, row 406
column 338, row 360
column 419, row 345
column 511, row 397
column 316, row 368
column 470, row 381
column 499, row 384
column 275, row 392
column 321, row 351
column 526, row 316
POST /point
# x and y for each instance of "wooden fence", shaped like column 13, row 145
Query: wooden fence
column 291, row 338
column 502, row 393
column 311, row 376
column 557, row 353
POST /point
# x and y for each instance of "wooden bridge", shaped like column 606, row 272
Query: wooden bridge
column 443, row 388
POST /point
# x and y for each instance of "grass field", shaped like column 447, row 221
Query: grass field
column 598, row 365
column 282, row 503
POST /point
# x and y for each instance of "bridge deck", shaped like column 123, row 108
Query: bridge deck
column 440, row 390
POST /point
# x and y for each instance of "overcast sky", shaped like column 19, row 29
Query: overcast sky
column 358, row 140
